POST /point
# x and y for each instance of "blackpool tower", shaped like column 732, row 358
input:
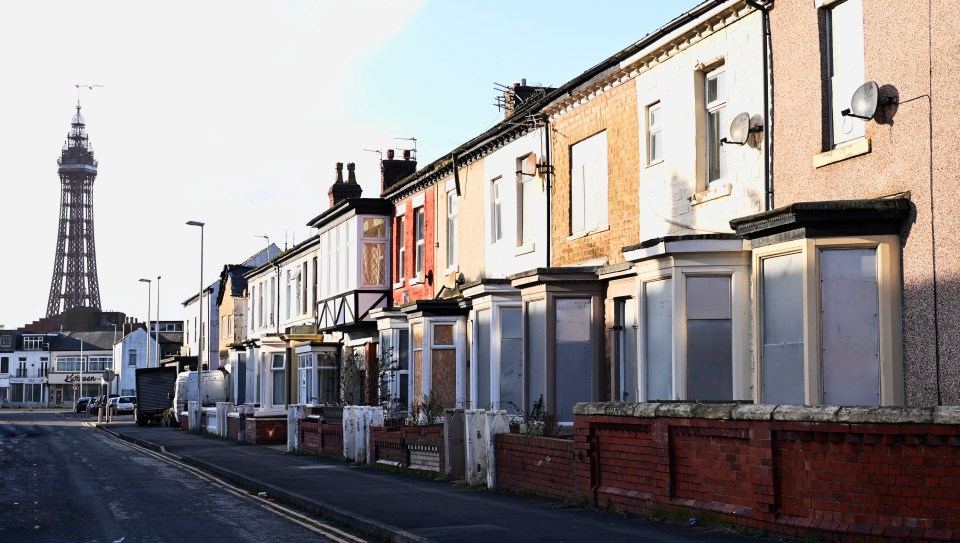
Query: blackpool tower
column 74, row 282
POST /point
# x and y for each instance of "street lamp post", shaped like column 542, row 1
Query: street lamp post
column 149, row 292
column 199, row 333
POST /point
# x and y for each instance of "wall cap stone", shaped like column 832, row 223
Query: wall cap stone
column 753, row 412
column 885, row 415
column 773, row 412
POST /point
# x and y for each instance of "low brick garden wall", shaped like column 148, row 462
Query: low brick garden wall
column 321, row 437
column 416, row 447
column 266, row 430
column 534, row 464
column 830, row 473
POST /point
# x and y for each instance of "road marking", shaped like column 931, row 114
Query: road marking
column 308, row 522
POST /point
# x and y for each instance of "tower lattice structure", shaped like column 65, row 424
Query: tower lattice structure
column 74, row 282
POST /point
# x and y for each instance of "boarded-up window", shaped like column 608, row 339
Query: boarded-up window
column 482, row 401
column 658, row 339
column 845, row 34
column 850, row 327
column 709, row 339
column 417, row 364
column 374, row 263
column 781, row 329
column 574, row 355
column 625, row 343
column 444, row 364
column 536, row 343
column 588, row 184
column 511, row 357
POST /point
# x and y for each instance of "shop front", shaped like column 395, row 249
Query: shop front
column 65, row 388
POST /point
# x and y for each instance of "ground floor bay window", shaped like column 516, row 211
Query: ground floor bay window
column 826, row 310
column 317, row 373
column 562, row 310
column 693, row 319
column 827, row 296
column 497, row 355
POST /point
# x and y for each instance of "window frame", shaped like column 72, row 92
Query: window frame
column 401, row 249
column 889, row 311
column 496, row 209
column 452, row 214
column 419, row 234
column 589, row 185
column 713, row 133
column 839, row 87
column 526, row 187
column 654, row 132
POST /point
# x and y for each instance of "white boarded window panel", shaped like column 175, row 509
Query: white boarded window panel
column 709, row 339
column 846, row 69
column 573, row 355
column 588, row 184
column 627, row 345
column 781, row 329
column 658, row 339
column 850, row 327
column 511, row 357
column 483, row 360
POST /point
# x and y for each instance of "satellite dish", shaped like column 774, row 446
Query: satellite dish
column 740, row 129
column 863, row 105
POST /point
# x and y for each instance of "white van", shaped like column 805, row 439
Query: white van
column 216, row 388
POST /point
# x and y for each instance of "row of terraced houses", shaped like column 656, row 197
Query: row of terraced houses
column 748, row 205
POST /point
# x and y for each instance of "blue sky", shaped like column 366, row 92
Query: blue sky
column 234, row 113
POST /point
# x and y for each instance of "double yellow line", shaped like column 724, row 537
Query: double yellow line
column 310, row 523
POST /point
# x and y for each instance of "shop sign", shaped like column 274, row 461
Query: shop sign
column 28, row 380
column 61, row 378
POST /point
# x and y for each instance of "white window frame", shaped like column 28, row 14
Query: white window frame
column 401, row 249
column 496, row 209
column 714, row 132
column 845, row 68
column 276, row 370
column 132, row 358
column 589, row 178
column 419, row 233
column 526, row 188
column 889, row 283
column 654, row 133
column 451, row 230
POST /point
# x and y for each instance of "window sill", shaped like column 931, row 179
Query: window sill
column 717, row 189
column 400, row 283
column 850, row 150
column 452, row 269
column 585, row 233
column 415, row 281
column 525, row 249
column 657, row 162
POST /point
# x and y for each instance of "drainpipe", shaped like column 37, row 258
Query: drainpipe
column 547, row 178
column 763, row 6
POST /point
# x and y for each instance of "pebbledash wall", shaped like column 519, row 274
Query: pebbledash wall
column 839, row 473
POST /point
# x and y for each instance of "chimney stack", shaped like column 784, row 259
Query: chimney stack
column 341, row 191
column 393, row 171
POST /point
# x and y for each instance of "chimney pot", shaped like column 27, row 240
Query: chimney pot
column 339, row 177
column 406, row 154
column 389, row 154
column 351, row 174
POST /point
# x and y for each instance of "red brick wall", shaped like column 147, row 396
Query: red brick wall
column 540, row 465
column 266, row 431
column 424, row 290
column 614, row 111
column 321, row 437
column 779, row 469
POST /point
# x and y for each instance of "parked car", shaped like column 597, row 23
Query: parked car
column 82, row 403
column 101, row 401
column 123, row 405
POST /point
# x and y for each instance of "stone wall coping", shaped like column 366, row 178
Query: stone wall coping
column 773, row 412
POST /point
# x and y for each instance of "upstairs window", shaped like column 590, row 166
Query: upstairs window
column 588, row 184
column 418, row 231
column 401, row 249
column 845, row 69
column 374, row 245
column 654, row 134
column 527, row 192
column 451, row 228
column 32, row 343
column 715, row 103
column 496, row 211
column 132, row 357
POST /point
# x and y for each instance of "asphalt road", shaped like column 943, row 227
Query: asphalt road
column 63, row 481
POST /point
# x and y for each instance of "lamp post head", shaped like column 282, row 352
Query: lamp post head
column 196, row 223
column 145, row 280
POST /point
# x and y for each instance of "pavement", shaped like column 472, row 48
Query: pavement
column 402, row 507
